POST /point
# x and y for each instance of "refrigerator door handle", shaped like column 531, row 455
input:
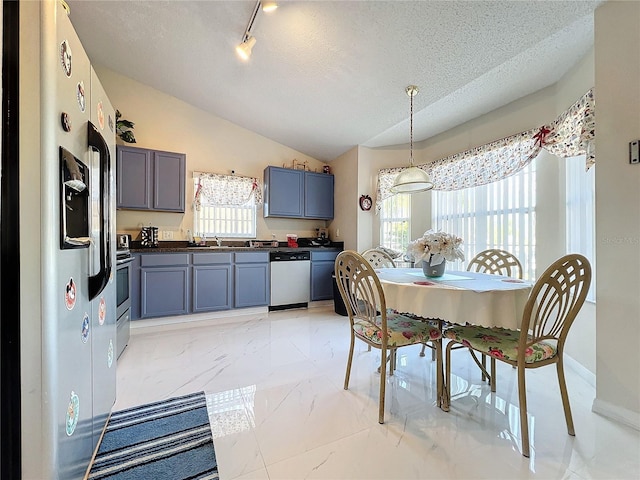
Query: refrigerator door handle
column 98, row 282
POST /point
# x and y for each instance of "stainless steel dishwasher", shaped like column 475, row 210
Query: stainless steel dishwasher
column 290, row 279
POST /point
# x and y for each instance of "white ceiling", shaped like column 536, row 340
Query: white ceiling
column 326, row 76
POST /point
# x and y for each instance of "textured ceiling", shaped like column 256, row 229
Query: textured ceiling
column 326, row 76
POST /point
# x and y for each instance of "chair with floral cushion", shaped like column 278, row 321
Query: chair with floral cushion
column 378, row 258
column 377, row 326
column 496, row 262
column 552, row 306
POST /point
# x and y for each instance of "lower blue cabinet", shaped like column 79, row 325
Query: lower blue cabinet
column 166, row 284
column 212, row 281
column 212, row 288
column 252, row 279
column 322, row 265
column 165, row 291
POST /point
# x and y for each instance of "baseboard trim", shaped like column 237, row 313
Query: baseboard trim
column 616, row 413
column 223, row 316
column 208, row 318
column 583, row 372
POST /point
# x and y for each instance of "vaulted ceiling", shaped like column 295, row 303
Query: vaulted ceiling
column 325, row 76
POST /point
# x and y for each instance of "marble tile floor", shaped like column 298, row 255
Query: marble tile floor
column 278, row 410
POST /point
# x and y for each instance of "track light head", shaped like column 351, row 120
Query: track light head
column 269, row 6
column 244, row 49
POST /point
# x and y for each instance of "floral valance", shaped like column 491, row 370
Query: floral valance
column 478, row 166
column 215, row 189
column 574, row 132
column 571, row 134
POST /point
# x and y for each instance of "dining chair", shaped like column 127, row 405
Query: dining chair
column 377, row 326
column 496, row 262
column 378, row 258
column 555, row 300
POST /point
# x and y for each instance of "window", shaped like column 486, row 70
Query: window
column 225, row 221
column 580, row 213
column 225, row 206
column 395, row 222
column 496, row 215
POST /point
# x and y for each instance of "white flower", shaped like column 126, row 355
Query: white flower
column 436, row 247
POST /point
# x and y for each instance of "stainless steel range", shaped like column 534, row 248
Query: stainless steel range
column 123, row 298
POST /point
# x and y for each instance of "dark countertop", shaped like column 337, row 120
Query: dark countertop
column 182, row 247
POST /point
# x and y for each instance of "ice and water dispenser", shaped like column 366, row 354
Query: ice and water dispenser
column 74, row 207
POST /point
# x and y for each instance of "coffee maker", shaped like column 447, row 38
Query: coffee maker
column 149, row 236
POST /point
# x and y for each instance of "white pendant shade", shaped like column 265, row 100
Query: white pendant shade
column 412, row 180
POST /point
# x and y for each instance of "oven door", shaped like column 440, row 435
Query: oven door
column 123, row 302
column 123, row 290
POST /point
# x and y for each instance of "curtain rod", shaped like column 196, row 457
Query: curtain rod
column 197, row 173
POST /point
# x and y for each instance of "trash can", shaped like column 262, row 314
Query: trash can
column 338, row 305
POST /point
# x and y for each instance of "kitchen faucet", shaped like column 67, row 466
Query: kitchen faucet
column 218, row 241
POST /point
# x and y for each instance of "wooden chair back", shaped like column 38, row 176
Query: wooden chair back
column 554, row 302
column 497, row 262
column 360, row 289
column 378, row 258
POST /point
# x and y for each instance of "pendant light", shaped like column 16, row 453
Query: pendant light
column 412, row 179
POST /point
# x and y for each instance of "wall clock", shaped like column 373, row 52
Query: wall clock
column 365, row 202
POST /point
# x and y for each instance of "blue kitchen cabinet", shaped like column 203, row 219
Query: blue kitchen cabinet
column 251, row 279
column 212, row 282
column 322, row 264
column 283, row 192
column 318, row 195
column 150, row 179
column 164, row 284
column 298, row 194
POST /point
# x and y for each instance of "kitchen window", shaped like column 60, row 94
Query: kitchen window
column 225, row 205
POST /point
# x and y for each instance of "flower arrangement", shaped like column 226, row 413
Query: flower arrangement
column 436, row 247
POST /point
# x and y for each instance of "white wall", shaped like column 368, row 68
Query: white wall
column 211, row 144
column 344, row 226
column 617, row 74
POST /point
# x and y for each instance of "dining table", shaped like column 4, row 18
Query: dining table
column 457, row 297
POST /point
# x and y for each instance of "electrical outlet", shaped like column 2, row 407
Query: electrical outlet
column 167, row 235
column 634, row 151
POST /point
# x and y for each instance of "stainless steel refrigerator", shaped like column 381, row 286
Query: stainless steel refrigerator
column 67, row 233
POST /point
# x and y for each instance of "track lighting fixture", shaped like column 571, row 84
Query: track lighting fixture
column 248, row 40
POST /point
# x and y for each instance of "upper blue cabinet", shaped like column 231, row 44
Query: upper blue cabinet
column 297, row 194
column 150, row 179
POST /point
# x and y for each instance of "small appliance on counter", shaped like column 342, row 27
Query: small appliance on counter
column 149, row 236
column 292, row 240
column 263, row 243
column 124, row 241
column 314, row 242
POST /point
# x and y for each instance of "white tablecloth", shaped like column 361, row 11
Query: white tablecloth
column 457, row 297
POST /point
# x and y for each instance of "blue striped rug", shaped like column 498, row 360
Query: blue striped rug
column 170, row 439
